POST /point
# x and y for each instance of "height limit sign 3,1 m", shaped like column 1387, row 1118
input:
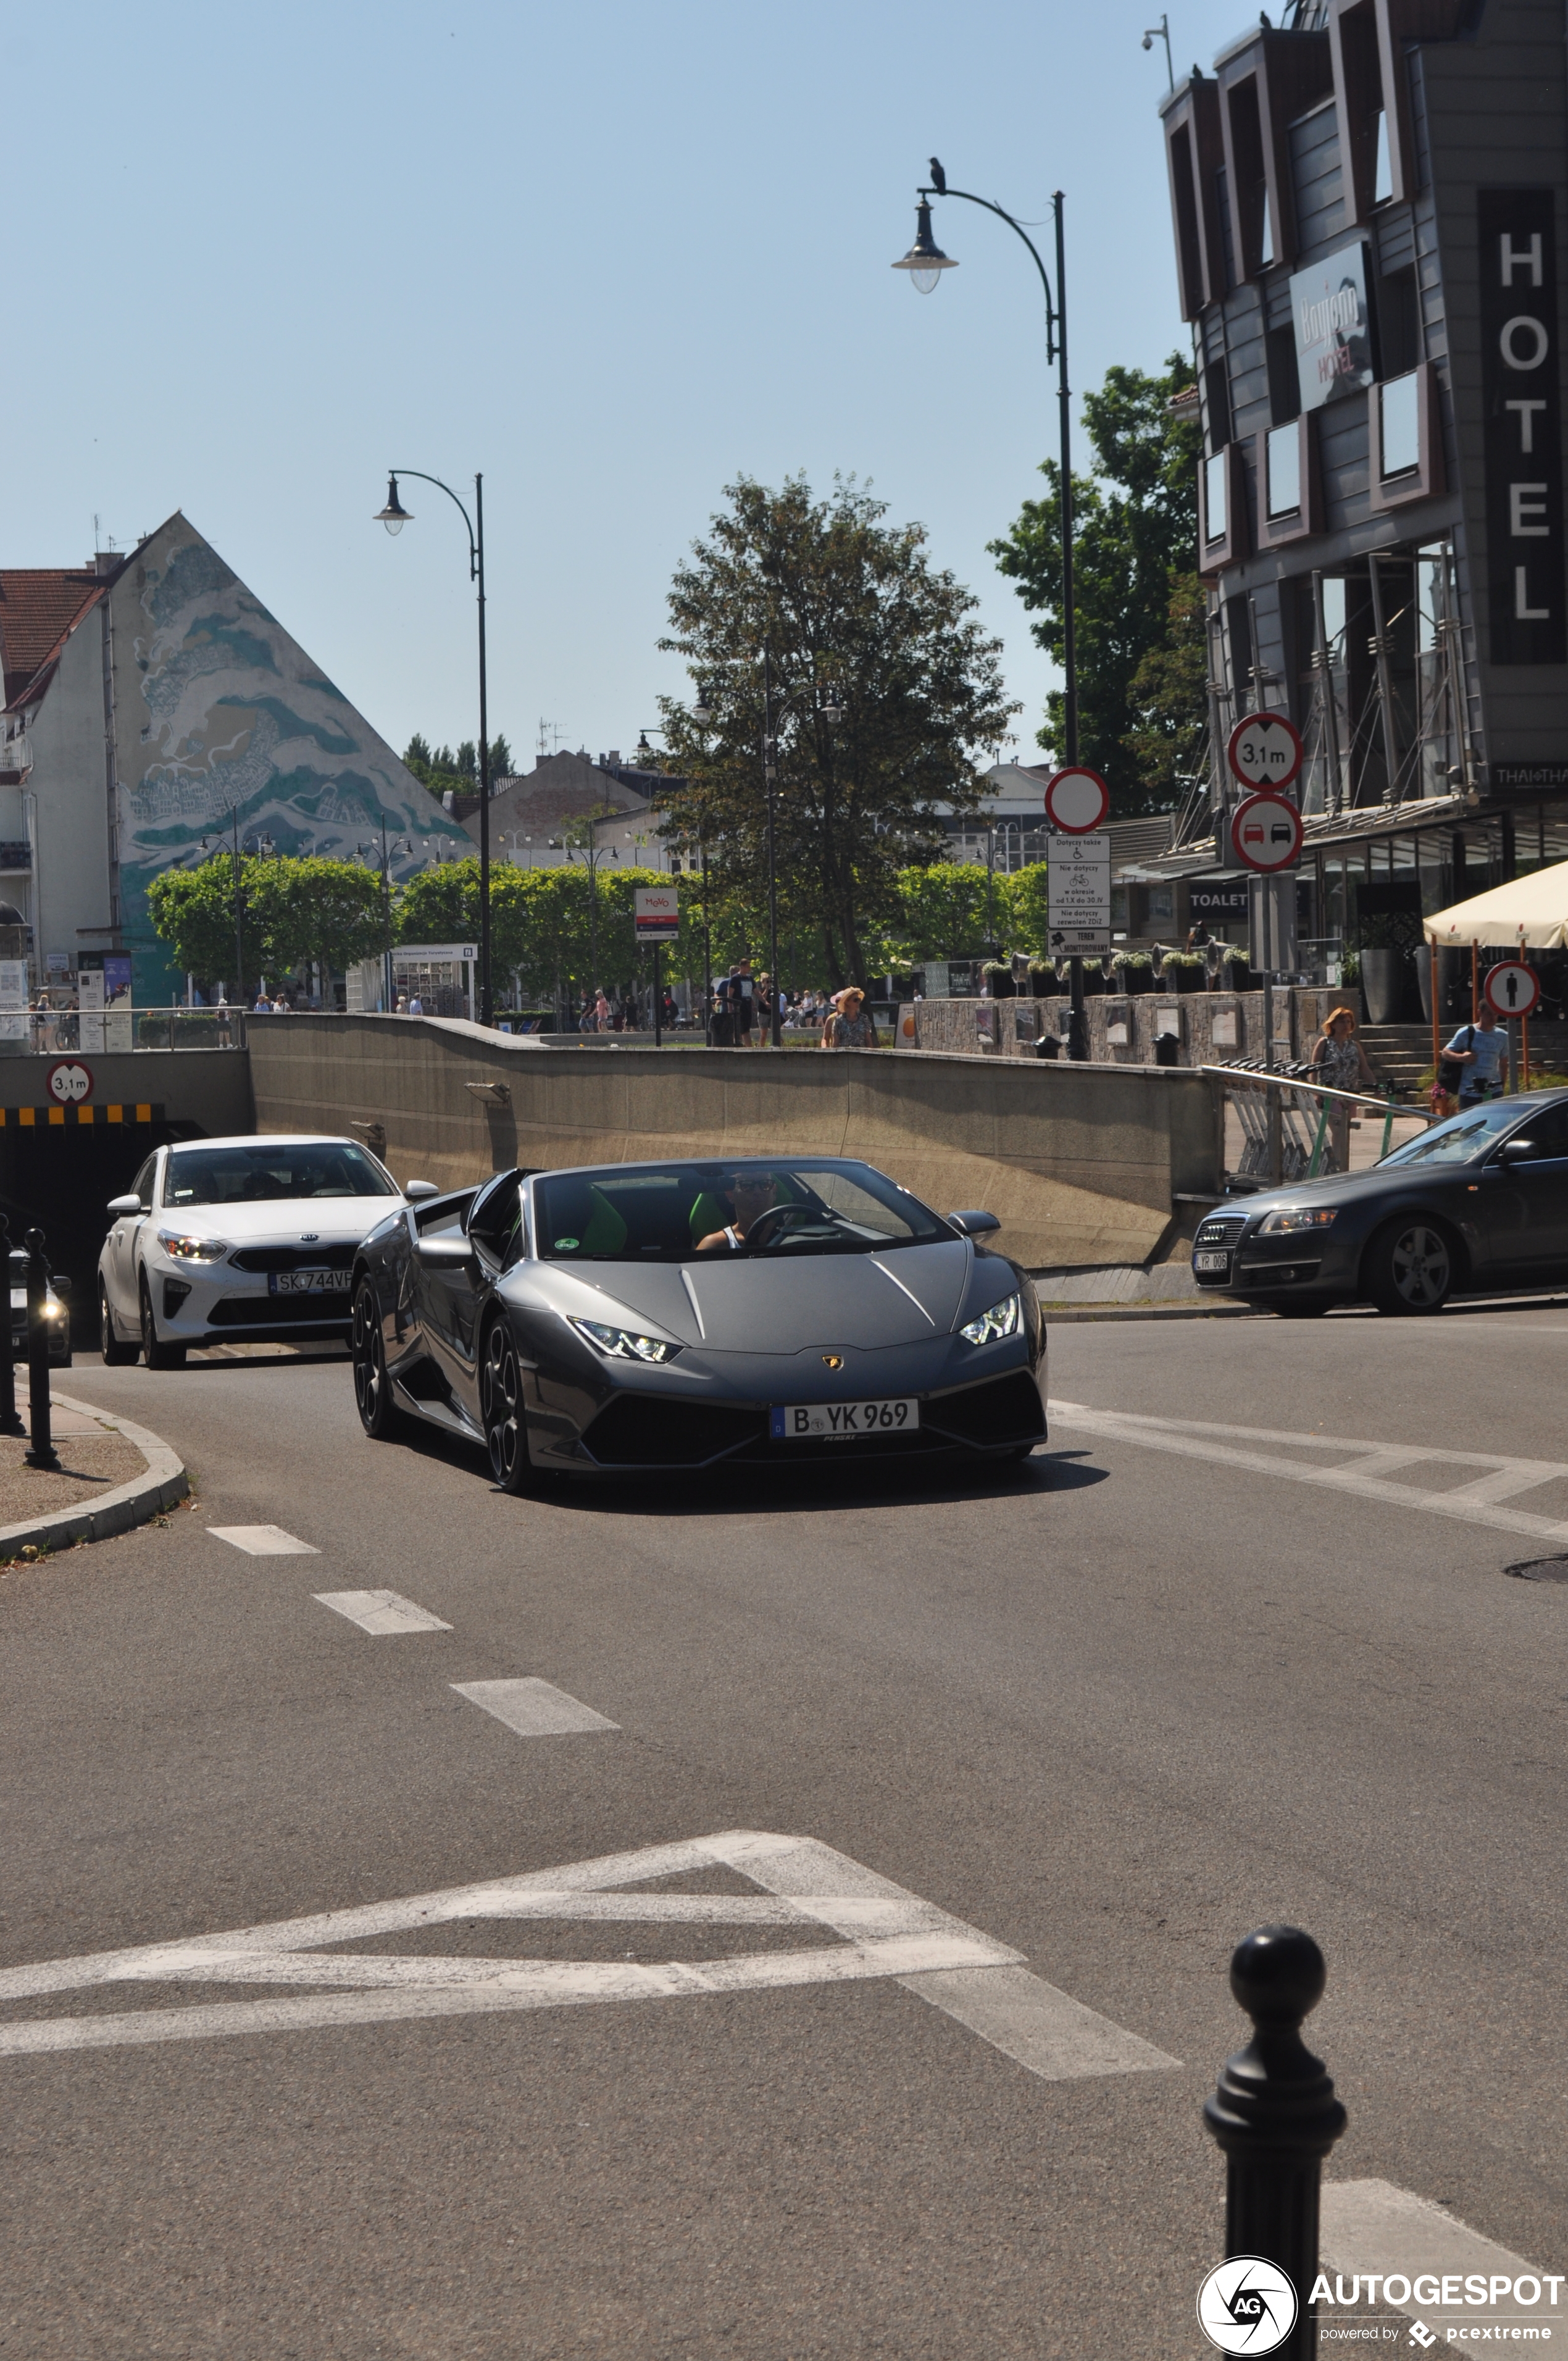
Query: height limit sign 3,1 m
column 1265, row 753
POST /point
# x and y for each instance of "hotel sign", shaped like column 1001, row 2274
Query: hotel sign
column 1521, row 407
column 1334, row 328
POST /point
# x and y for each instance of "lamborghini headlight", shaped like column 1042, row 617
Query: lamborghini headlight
column 182, row 1248
column 624, row 1344
column 1298, row 1217
column 1001, row 1320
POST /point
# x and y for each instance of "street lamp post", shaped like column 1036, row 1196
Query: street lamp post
column 398, row 844
column 264, row 846
column 394, row 516
column 926, row 263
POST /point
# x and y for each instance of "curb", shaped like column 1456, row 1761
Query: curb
column 163, row 1483
column 1055, row 1315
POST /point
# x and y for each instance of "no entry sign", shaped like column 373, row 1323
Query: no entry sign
column 1265, row 834
column 1265, row 751
column 1512, row 989
column 1076, row 800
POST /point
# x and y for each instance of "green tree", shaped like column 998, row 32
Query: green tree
column 1136, row 529
column 852, row 612
column 542, row 927
column 442, row 771
column 192, row 911
column 312, row 908
column 1169, row 698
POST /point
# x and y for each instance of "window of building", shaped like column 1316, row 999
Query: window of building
column 1282, row 469
column 1215, row 507
column 1217, row 401
column 1400, row 424
column 1284, row 379
column 1383, row 164
column 1398, row 322
column 1227, row 243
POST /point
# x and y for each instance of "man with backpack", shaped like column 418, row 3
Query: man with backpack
column 1475, row 1062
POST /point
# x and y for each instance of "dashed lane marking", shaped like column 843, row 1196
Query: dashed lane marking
column 264, row 1541
column 1366, row 1473
column 533, row 1709
column 1371, row 2226
column 881, row 1930
column 382, row 1613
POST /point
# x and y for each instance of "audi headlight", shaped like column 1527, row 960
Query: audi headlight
column 624, row 1344
column 186, row 1249
column 1001, row 1320
column 53, row 1308
column 1299, row 1217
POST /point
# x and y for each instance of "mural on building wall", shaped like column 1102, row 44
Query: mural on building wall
column 221, row 715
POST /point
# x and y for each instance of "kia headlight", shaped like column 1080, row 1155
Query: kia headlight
column 1299, row 1217
column 1001, row 1320
column 181, row 1248
column 624, row 1344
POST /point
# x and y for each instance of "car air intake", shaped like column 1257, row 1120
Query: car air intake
column 648, row 1431
column 280, row 1312
column 1007, row 1410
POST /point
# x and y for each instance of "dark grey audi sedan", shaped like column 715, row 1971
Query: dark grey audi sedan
column 764, row 1312
column 1478, row 1204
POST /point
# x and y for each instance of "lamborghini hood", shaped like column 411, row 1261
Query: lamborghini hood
column 902, row 1297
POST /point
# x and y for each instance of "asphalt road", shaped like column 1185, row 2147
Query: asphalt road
column 1113, row 1710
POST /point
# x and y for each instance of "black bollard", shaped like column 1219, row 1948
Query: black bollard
column 1276, row 2117
column 40, row 1451
column 10, row 1422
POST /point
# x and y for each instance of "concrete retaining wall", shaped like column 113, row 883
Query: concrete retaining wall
column 1082, row 1163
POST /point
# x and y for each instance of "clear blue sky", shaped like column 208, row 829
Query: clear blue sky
column 612, row 254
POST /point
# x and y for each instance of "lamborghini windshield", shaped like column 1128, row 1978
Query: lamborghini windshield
column 759, row 1206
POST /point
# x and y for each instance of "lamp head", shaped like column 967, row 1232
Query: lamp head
column 925, row 260
column 832, row 713
column 394, row 516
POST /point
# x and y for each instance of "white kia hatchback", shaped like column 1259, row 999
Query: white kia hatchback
column 224, row 1241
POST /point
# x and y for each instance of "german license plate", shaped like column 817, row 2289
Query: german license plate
column 307, row 1282
column 839, row 1421
column 1214, row 1260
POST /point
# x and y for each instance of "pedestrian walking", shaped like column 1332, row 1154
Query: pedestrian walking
column 851, row 1025
column 742, row 1003
column 1480, row 1053
column 1340, row 1061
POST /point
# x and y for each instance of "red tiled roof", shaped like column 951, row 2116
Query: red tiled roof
column 39, row 605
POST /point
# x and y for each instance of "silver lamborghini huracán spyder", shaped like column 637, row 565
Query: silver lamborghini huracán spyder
column 628, row 1318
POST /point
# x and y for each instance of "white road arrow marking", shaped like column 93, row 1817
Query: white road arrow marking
column 884, row 1930
column 1365, row 1473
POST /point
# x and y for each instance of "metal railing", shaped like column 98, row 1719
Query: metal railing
column 94, row 1032
column 1285, row 1123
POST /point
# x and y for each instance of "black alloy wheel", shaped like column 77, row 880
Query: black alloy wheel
column 372, row 1388
column 506, row 1434
column 153, row 1352
column 1410, row 1268
column 116, row 1355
